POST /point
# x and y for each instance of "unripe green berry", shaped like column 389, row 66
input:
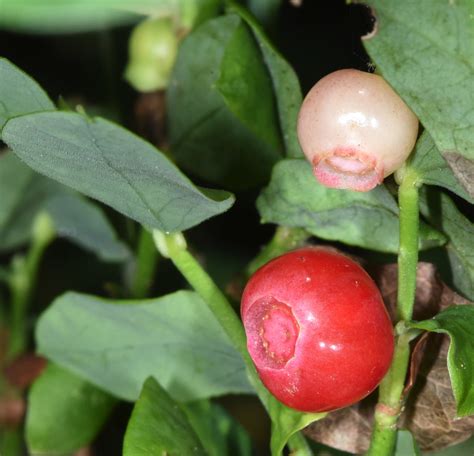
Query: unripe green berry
column 152, row 53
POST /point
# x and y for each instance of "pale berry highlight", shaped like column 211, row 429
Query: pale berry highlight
column 355, row 130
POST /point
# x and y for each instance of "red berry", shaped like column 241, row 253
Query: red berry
column 317, row 329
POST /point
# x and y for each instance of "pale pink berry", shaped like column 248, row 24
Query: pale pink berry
column 355, row 130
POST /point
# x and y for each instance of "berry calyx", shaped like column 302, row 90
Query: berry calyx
column 355, row 130
column 317, row 329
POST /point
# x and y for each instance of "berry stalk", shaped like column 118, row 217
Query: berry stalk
column 173, row 246
column 391, row 398
column 284, row 239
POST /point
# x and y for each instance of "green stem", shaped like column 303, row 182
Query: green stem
column 147, row 258
column 284, row 239
column 391, row 398
column 408, row 200
column 23, row 281
column 173, row 246
column 299, row 446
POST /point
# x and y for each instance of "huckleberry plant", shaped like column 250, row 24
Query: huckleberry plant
column 314, row 336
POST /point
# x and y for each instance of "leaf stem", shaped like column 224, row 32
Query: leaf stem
column 22, row 282
column 284, row 239
column 299, row 446
column 408, row 200
column 147, row 259
column 173, row 246
column 391, row 398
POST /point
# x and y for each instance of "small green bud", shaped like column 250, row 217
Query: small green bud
column 43, row 229
column 153, row 48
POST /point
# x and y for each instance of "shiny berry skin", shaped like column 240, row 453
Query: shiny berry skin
column 355, row 130
column 317, row 329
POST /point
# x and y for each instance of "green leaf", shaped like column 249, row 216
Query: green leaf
column 159, row 426
column 175, row 339
column 217, row 128
column 19, row 94
column 73, row 16
column 82, row 222
column 57, row 16
column 443, row 213
column 25, row 194
column 406, row 444
column 458, row 323
column 65, row 413
column 219, row 433
column 286, row 422
column 108, row 163
column 286, row 86
column 266, row 11
column 425, row 50
column 294, row 198
column 433, row 169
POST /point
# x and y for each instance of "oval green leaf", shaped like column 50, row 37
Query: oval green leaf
column 108, row 163
column 159, row 426
column 65, row 413
column 223, row 120
column 25, row 194
column 175, row 339
column 294, row 198
column 19, row 94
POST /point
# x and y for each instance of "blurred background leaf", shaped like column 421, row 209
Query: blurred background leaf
column 26, row 193
column 216, row 129
column 65, row 413
column 73, row 16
